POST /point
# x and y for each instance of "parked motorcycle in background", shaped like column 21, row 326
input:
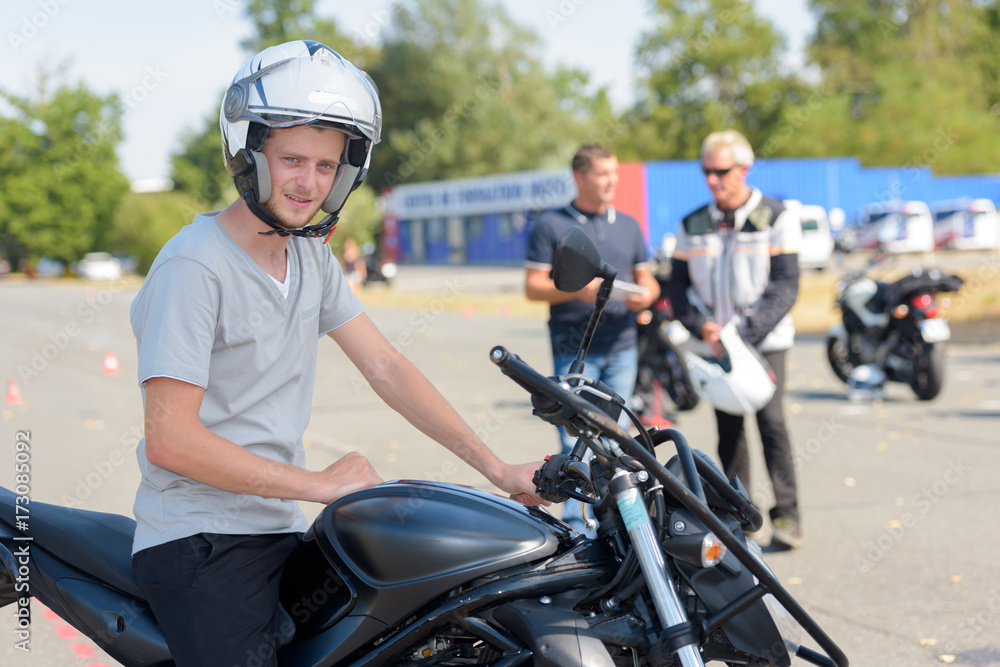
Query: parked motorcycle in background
column 890, row 331
column 663, row 378
column 377, row 270
column 414, row 574
column 663, row 381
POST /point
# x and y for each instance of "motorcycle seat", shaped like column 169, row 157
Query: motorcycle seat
column 96, row 543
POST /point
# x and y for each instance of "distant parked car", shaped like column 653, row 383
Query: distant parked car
column 99, row 266
column 898, row 226
column 48, row 267
column 966, row 224
column 816, row 249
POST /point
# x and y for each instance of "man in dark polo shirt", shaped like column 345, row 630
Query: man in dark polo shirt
column 613, row 356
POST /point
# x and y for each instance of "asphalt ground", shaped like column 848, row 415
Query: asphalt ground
column 899, row 564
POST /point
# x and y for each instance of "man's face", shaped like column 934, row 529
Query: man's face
column 303, row 161
column 725, row 178
column 597, row 185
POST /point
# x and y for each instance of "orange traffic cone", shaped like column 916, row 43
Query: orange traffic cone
column 13, row 393
column 110, row 364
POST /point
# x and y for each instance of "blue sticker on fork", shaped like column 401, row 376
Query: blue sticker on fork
column 632, row 510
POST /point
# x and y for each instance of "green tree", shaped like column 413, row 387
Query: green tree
column 705, row 65
column 910, row 83
column 198, row 168
column 145, row 221
column 359, row 220
column 60, row 181
column 483, row 104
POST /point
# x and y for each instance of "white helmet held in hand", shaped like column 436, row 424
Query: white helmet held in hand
column 298, row 83
column 740, row 384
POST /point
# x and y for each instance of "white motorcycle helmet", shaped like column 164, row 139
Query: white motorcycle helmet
column 298, row 83
column 740, row 384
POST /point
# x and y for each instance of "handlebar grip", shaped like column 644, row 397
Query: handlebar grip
column 513, row 367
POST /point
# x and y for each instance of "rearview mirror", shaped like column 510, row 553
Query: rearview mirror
column 577, row 262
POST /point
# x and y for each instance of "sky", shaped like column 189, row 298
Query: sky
column 171, row 61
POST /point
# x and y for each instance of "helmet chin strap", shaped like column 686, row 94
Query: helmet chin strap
column 324, row 228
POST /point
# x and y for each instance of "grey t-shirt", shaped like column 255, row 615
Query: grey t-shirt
column 209, row 315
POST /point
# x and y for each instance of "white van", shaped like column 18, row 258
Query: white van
column 899, row 226
column 966, row 224
column 816, row 250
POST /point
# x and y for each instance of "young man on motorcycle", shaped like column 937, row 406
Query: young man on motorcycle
column 227, row 325
column 738, row 257
column 613, row 355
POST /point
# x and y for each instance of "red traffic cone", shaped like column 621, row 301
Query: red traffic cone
column 13, row 393
column 110, row 364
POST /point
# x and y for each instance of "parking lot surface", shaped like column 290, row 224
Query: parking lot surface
column 898, row 498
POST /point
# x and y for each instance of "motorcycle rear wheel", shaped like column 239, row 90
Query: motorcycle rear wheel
column 840, row 358
column 928, row 378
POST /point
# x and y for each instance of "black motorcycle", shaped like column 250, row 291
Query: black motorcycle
column 414, row 574
column 897, row 327
column 663, row 376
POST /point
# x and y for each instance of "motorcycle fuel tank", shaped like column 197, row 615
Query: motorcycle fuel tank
column 389, row 550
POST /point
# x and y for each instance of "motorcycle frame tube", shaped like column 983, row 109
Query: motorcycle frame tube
column 640, row 531
column 491, row 594
column 527, row 377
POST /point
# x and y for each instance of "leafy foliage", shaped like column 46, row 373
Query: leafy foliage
column 707, row 65
column 199, row 168
column 359, row 220
column 60, row 182
column 483, row 105
column 910, row 83
column 146, row 221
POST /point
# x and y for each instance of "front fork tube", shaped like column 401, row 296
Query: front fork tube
column 640, row 530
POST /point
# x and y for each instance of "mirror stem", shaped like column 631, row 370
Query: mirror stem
column 603, row 295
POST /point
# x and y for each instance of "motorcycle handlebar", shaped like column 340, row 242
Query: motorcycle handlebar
column 540, row 386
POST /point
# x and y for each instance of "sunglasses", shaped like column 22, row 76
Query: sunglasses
column 717, row 172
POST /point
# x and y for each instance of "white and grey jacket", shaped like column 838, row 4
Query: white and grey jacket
column 750, row 271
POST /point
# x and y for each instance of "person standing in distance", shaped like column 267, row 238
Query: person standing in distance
column 613, row 354
column 738, row 257
column 227, row 325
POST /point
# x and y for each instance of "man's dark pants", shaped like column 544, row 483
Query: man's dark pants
column 774, row 436
column 215, row 597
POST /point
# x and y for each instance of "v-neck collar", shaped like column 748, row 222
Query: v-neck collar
column 267, row 278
